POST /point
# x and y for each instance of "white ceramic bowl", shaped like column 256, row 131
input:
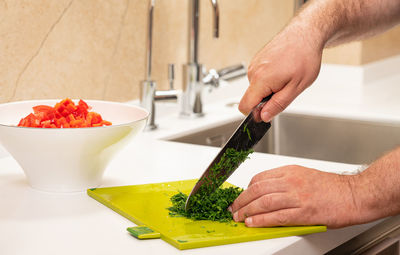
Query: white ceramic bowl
column 69, row 159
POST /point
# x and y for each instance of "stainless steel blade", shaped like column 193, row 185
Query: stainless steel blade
column 248, row 134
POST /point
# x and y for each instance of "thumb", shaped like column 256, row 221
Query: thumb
column 278, row 102
column 252, row 97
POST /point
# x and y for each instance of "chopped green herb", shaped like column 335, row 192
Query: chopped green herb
column 182, row 241
column 229, row 161
column 210, row 231
column 211, row 202
column 246, row 129
column 213, row 207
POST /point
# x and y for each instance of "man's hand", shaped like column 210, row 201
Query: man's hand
column 286, row 66
column 295, row 195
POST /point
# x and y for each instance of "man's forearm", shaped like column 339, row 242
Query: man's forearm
column 331, row 22
column 377, row 189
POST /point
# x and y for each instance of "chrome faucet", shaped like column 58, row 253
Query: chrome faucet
column 149, row 93
column 194, row 75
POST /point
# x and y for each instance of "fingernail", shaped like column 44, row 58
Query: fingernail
column 230, row 209
column 248, row 221
column 265, row 116
column 235, row 216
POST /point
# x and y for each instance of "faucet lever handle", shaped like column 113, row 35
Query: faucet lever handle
column 212, row 77
column 232, row 72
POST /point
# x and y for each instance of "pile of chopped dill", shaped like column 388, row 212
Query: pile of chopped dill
column 211, row 202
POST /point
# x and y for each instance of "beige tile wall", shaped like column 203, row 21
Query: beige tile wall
column 382, row 46
column 71, row 48
column 366, row 51
column 346, row 54
column 95, row 49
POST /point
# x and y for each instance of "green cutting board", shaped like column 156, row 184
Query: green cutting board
column 147, row 205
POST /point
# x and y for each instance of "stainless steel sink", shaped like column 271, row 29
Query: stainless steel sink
column 332, row 139
column 218, row 136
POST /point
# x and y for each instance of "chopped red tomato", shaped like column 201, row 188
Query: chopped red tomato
column 65, row 114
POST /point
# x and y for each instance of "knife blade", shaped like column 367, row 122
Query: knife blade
column 247, row 135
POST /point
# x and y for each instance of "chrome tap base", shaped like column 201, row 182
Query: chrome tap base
column 192, row 89
column 147, row 102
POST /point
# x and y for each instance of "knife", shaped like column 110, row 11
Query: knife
column 246, row 136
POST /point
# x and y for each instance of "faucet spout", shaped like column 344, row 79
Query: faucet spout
column 216, row 18
column 149, row 92
column 194, row 13
column 193, row 71
column 149, row 40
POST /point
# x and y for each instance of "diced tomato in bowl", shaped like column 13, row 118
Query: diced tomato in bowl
column 76, row 142
column 65, row 114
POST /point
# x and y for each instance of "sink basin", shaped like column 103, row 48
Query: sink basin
column 315, row 137
column 333, row 139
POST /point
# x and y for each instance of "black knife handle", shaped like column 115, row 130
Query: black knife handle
column 267, row 98
column 256, row 113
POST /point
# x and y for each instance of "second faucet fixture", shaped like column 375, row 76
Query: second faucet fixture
column 194, row 75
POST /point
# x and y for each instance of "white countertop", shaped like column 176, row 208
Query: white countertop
column 35, row 222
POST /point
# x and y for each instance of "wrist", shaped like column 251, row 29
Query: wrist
column 378, row 187
column 301, row 31
column 349, row 207
column 370, row 203
column 319, row 22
